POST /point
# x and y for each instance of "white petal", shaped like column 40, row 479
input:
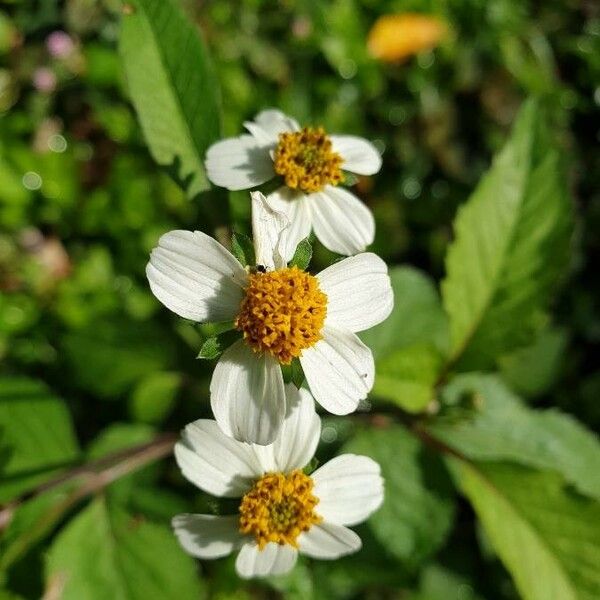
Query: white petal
column 360, row 156
column 300, row 432
column 263, row 138
column 195, row 277
column 275, row 122
column 268, row 227
column 327, row 540
column 359, row 292
column 247, row 395
column 214, row 462
column 207, row 536
column 239, row 163
column 296, row 207
column 339, row 370
column 273, row 559
column 349, row 489
column 341, row 221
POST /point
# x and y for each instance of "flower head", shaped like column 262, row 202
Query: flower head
column 282, row 510
column 60, row 44
column 282, row 314
column 311, row 164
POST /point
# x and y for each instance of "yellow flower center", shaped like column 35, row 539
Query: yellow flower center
column 279, row 508
column 282, row 313
column 306, row 161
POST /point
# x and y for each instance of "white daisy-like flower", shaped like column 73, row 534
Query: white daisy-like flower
column 282, row 511
column 312, row 165
column 282, row 313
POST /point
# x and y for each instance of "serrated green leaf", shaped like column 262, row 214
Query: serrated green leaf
column 418, row 509
column 410, row 345
column 242, row 248
column 36, row 435
column 302, row 255
column 547, row 537
column 106, row 553
column 511, row 246
column 215, row 345
column 504, row 429
column 172, row 86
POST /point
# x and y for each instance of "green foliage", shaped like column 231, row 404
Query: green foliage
column 36, row 435
column 172, row 86
column 154, row 397
column 418, row 508
column 410, row 345
column 242, row 248
column 124, row 558
column 215, row 345
column 125, row 351
column 511, row 247
column 502, row 428
column 82, row 203
column 533, row 369
column 547, row 536
column 302, row 255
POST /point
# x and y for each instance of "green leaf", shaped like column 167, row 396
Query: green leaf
column 547, row 537
column 302, row 255
column 172, row 86
column 106, row 553
column 418, row 509
column 108, row 359
column 242, row 248
column 504, row 429
column 532, row 370
column 36, row 435
column 293, row 373
column 215, row 345
column 154, row 396
column 439, row 583
column 410, row 345
column 407, row 377
column 511, row 247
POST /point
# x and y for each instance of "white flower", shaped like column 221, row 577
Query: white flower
column 282, row 511
column 311, row 164
column 283, row 313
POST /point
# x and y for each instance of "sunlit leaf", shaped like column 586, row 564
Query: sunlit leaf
column 502, row 428
column 547, row 537
column 172, row 86
column 106, row 553
column 511, row 248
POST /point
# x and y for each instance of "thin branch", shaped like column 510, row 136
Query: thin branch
column 89, row 478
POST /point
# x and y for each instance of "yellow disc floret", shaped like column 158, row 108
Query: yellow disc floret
column 306, row 160
column 282, row 313
column 279, row 508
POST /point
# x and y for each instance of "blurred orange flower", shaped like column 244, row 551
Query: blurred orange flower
column 396, row 37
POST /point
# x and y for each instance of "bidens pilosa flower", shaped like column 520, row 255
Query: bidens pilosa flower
column 282, row 313
column 311, row 165
column 282, row 511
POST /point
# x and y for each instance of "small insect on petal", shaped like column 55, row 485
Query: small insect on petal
column 396, row 37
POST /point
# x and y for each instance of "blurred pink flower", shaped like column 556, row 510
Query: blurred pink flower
column 60, row 44
column 44, row 80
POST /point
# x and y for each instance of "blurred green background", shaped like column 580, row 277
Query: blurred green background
column 82, row 203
